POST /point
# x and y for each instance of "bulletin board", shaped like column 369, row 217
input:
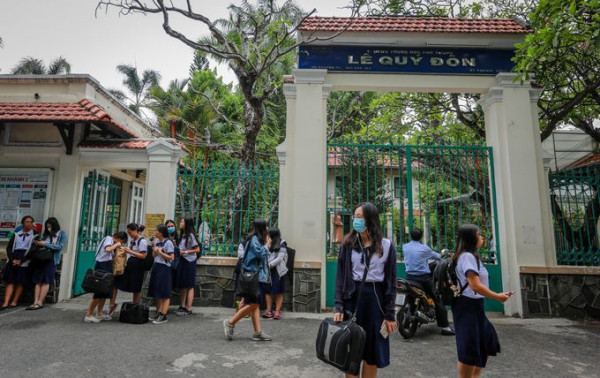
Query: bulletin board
column 23, row 192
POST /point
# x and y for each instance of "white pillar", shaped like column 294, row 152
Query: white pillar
column 161, row 178
column 285, row 149
column 513, row 132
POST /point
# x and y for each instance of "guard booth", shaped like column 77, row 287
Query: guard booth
column 429, row 55
column 70, row 150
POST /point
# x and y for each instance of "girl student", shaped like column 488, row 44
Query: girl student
column 104, row 257
column 16, row 272
column 365, row 249
column 255, row 260
column 160, row 276
column 278, row 267
column 186, row 271
column 476, row 338
column 53, row 239
column 133, row 278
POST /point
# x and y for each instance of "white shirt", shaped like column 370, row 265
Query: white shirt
column 102, row 254
column 192, row 243
column 168, row 248
column 468, row 263
column 376, row 266
column 23, row 242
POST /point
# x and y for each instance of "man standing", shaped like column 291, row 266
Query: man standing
column 416, row 255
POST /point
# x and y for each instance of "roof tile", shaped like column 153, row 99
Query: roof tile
column 413, row 24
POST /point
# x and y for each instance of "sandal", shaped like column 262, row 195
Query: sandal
column 112, row 309
column 267, row 314
column 38, row 307
column 277, row 315
column 32, row 307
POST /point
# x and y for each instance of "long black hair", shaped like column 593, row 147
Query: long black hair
column 467, row 241
column 173, row 236
column 188, row 230
column 55, row 227
column 163, row 229
column 275, row 235
column 259, row 229
column 371, row 215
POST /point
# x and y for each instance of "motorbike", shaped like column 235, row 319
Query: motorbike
column 414, row 307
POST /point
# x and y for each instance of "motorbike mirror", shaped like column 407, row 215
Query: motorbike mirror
column 445, row 252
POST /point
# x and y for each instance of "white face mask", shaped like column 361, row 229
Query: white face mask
column 49, row 229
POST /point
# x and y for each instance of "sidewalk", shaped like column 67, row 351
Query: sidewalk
column 55, row 342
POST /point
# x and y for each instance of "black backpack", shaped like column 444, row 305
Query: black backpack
column 449, row 287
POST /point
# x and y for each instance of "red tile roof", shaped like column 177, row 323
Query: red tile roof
column 413, row 25
column 82, row 111
column 130, row 144
column 594, row 159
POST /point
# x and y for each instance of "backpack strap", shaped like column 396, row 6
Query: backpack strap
column 362, row 282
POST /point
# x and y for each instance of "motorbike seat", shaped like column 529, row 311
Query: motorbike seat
column 416, row 284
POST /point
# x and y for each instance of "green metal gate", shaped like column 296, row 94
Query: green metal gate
column 434, row 187
column 97, row 219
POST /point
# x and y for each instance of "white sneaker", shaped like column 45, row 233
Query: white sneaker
column 228, row 329
column 104, row 317
column 91, row 319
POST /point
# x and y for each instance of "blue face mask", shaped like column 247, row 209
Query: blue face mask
column 171, row 230
column 358, row 225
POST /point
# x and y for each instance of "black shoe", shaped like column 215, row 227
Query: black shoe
column 448, row 332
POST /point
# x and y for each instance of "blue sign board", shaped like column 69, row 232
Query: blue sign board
column 393, row 59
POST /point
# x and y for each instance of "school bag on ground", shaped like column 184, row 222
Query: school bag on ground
column 342, row 344
column 134, row 313
column 98, row 281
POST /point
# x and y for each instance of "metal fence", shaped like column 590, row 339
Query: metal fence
column 575, row 204
column 434, row 187
column 224, row 198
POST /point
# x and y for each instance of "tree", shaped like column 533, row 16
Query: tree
column 138, row 87
column 34, row 66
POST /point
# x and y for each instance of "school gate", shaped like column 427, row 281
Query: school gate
column 395, row 54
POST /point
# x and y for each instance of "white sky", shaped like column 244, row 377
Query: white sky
column 47, row 29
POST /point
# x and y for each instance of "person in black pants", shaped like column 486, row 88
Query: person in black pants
column 416, row 256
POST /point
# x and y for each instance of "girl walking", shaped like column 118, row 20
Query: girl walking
column 53, row 239
column 365, row 249
column 160, row 276
column 186, row 271
column 255, row 260
column 104, row 257
column 278, row 267
column 476, row 338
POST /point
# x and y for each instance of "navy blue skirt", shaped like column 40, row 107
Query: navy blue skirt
column 370, row 317
column 476, row 338
column 277, row 283
column 44, row 274
column 132, row 279
column 105, row 266
column 16, row 274
column 160, row 282
column 185, row 274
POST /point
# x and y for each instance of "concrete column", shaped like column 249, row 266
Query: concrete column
column 161, row 177
column 512, row 130
column 284, row 150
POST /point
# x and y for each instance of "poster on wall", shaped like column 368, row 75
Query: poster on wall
column 23, row 192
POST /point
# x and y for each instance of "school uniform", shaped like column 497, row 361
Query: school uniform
column 476, row 338
column 132, row 279
column 160, row 285
column 255, row 260
column 104, row 262
column 377, row 298
column 44, row 274
column 20, row 275
column 186, row 270
column 278, row 267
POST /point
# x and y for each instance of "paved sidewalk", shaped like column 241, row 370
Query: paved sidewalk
column 55, row 342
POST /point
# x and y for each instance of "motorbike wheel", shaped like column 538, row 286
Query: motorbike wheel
column 406, row 327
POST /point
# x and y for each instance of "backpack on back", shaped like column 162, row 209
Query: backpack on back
column 449, row 286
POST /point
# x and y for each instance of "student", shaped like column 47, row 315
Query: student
column 53, row 239
column 255, row 260
column 133, row 277
column 160, row 276
column 278, row 267
column 365, row 248
column 186, row 272
column 416, row 256
column 16, row 272
column 476, row 338
column 104, row 257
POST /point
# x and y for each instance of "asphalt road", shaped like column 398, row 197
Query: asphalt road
column 55, row 342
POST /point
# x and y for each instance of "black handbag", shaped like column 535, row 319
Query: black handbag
column 342, row 344
column 40, row 255
column 98, row 282
column 134, row 313
column 248, row 286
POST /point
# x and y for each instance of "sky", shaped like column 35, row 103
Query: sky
column 96, row 43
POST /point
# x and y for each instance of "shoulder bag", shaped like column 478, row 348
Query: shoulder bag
column 248, row 286
column 98, row 281
column 341, row 344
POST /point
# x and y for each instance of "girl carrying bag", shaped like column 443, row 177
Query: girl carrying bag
column 248, row 286
column 98, row 281
column 341, row 344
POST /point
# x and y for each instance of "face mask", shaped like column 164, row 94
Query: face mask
column 359, row 225
column 171, row 230
column 49, row 229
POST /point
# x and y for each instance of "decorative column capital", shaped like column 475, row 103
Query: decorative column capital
column 327, row 88
column 307, row 76
column 289, row 91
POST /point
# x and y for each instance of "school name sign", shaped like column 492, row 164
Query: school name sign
column 462, row 61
